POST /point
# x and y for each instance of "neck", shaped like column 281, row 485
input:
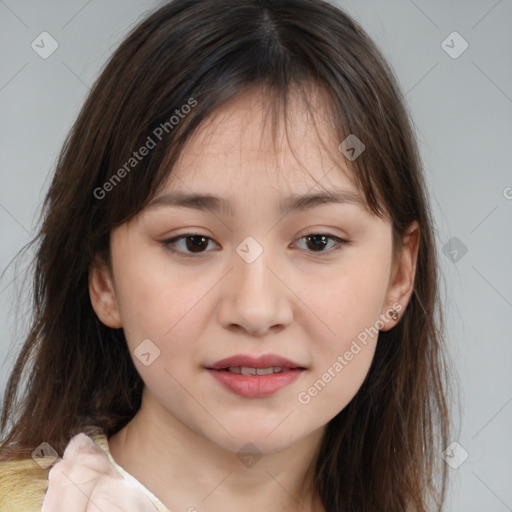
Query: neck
column 187, row 471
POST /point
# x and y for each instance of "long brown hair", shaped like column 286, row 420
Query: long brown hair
column 383, row 450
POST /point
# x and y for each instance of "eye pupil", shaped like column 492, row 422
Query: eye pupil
column 193, row 247
column 198, row 244
column 316, row 238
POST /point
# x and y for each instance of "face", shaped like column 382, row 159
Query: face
column 303, row 287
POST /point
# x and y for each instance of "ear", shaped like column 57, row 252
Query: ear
column 401, row 283
column 102, row 294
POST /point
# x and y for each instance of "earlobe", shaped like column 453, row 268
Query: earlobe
column 102, row 294
column 402, row 282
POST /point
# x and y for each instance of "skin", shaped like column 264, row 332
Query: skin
column 293, row 300
column 84, row 480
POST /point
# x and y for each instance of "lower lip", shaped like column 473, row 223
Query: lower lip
column 255, row 386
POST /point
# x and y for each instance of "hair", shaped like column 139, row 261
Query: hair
column 382, row 451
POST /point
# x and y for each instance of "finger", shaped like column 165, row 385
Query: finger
column 82, row 450
column 64, row 494
column 72, row 480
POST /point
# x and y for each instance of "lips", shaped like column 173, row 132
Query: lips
column 263, row 362
column 255, row 377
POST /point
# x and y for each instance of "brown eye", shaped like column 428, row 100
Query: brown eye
column 197, row 244
column 317, row 242
column 194, row 244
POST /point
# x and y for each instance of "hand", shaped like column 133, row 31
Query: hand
column 86, row 481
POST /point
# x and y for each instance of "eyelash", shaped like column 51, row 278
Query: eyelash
column 167, row 244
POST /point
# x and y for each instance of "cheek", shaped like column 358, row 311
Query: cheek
column 341, row 360
column 347, row 305
column 166, row 310
column 162, row 306
column 332, row 388
column 345, row 338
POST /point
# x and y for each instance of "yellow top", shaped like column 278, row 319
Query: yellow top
column 23, row 483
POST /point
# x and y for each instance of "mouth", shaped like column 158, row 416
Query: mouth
column 252, row 377
column 246, row 370
column 251, row 365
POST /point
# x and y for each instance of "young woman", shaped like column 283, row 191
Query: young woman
column 236, row 288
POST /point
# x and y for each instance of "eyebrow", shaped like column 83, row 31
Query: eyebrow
column 293, row 203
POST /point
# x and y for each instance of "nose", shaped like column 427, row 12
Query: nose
column 255, row 298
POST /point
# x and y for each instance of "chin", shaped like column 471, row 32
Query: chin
column 259, row 438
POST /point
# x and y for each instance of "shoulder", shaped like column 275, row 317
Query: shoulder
column 23, row 485
column 23, row 482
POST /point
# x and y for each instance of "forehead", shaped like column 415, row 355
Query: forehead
column 246, row 142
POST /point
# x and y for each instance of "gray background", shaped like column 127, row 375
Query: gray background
column 462, row 109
